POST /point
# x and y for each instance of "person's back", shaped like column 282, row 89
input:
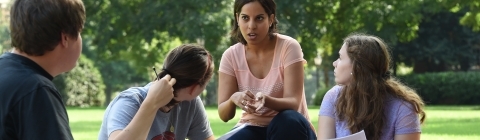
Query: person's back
column 46, row 42
column 27, row 91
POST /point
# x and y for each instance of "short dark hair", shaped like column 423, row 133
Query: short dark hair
column 36, row 25
column 189, row 64
column 270, row 8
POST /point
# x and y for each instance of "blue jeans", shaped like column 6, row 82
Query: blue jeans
column 286, row 125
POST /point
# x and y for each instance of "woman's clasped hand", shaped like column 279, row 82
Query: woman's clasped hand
column 249, row 102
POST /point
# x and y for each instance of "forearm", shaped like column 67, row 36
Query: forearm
column 226, row 110
column 139, row 127
column 326, row 127
column 210, row 138
column 279, row 104
column 411, row 136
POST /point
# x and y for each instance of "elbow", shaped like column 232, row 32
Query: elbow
column 226, row 111
column 295, row 104
column 224, row 117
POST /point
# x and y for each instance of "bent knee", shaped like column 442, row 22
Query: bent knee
column 289, row 115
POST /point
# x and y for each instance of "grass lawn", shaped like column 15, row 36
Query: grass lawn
column 442, row 123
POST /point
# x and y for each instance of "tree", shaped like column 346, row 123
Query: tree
column 442, row 44
column 143, row 31
column 321, row 26
column 471, row 18
column 82, row 86
column 140, row 30
column 4, row 36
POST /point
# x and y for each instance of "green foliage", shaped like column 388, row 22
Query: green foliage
column 317, row 100
column 139, row 31
column 135, row 35
column 4, row 37
column 82, row 86
column 321, row 26
column 440, row 33
column 472, row 17
column 118, row 76
column 446, row 87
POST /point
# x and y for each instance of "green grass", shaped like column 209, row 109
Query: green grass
column 85, row 122
column 442, row 123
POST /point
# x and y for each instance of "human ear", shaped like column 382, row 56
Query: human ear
column 193, row 88
column 272, row 19
column 64, row 39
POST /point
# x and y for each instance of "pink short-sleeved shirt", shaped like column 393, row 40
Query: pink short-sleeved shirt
column 234, row 63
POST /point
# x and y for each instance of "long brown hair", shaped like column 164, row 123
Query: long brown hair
column 361, row 102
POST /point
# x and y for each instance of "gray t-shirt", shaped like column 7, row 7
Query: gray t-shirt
column 188, row 118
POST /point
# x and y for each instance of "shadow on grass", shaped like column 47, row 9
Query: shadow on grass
column 452, row 126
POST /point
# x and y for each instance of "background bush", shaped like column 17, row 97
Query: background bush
column 317, row 100
column 82, row 86
column 446, row 88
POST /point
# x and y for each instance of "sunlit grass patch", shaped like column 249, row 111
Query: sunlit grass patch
column 442, row 123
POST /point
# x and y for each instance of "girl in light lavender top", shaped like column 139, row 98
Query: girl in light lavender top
column 367, row 97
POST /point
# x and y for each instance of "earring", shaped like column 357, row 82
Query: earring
column 351, row 73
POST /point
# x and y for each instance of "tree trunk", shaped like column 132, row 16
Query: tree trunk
column 211, row 96
column 108, row 94
column 326, row 77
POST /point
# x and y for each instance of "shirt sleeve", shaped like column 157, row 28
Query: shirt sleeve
column 227, row 62
column 293, row 53
column 200, row 127
column 122, row 111
column 407, row 121
column 41, row 115
column 327, row 107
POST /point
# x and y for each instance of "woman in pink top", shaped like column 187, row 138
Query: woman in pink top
column 367, row 97
column 263, row 75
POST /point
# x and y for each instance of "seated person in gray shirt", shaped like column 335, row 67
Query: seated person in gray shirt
column 166, row 108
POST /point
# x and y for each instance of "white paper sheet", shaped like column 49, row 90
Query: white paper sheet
column 357, row 136
column 231, row 132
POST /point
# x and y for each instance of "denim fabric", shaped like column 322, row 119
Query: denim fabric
column 286, row 125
